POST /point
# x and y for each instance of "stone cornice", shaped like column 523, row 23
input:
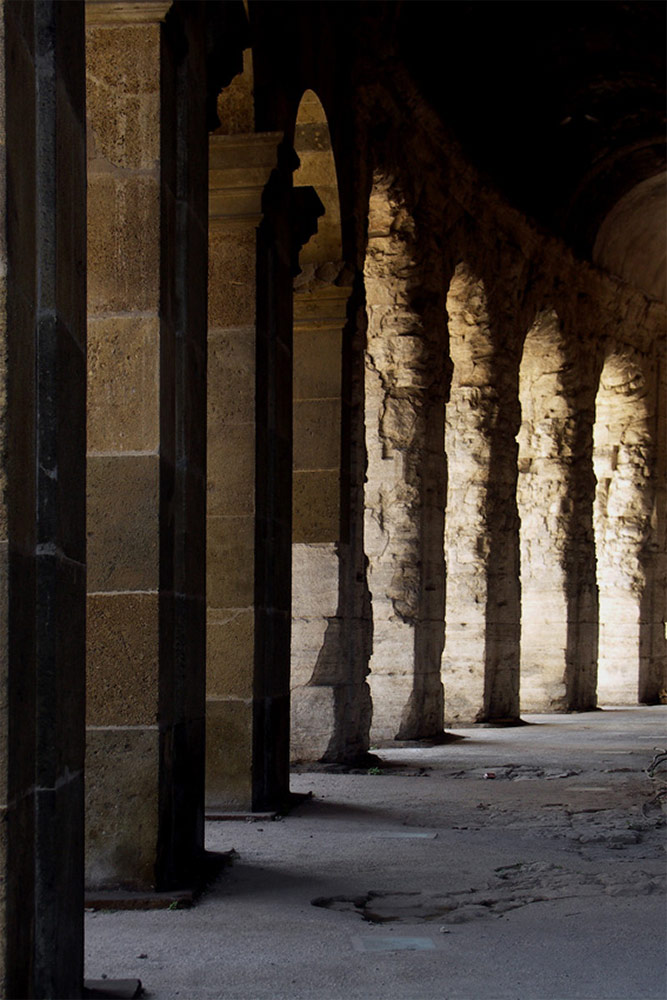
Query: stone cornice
column 117, row 12
column 239, row 168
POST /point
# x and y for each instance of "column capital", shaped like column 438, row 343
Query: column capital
column 239, row 169
column 118, row 12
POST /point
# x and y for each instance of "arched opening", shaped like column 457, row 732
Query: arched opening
column 546, row 449
column 632, row 240
column 623, row 457
column 468, row 448
column 481, row 660
column 317, row 663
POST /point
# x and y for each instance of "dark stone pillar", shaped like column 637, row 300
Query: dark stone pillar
column 42, row 748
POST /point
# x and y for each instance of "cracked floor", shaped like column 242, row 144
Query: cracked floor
column 524, row 863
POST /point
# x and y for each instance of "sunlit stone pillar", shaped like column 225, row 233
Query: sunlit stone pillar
column 624, row 455
column 42, row 501
column 558, row 593
column 481, row 657
column 147, row 213
column 405, row 480
column 319, row 317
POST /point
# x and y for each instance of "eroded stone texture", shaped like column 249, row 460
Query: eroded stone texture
column 556, row 672
column 329, row 695
column 481, row 668
column 624, row 459
column 468, row 447
column 405, row 478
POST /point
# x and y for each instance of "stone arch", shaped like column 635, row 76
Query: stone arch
column 468, row 447
column 623, row 455
column 405, row 475
column 320, row 303
column 546, row 448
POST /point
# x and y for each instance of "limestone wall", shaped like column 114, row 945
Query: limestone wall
column 405, row 387
column 147, row 211
column 518, row 435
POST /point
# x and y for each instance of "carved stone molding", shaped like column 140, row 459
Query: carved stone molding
column 114, row 12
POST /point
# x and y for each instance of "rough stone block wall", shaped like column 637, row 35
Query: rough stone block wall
column 556, row 619
column 468, row 448
column 624, row 458
column 405, row 387
column 146, row 444
column 123, row 448
column 547, row 442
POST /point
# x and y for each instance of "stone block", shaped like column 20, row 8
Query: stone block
column 123, row 94
column 230, row 470
column 123, row 383
column 230, row 561
column 316, row 505
column 122, row 766
column 313, row 711
column 308, row 636
column 317, row 434
column 230, row 650
column 231, row 378
column 317, row 364
column 391, row 694
column 122, row 659
column 123, row 243
column 123, row 526
column 229, row 753
column 232, row 261
column 314, row 580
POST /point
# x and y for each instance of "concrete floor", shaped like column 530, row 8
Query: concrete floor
column 544, row 883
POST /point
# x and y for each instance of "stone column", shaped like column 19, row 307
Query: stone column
column 42, row 510
column 405, row 489
column 624, row 456
column 653, row 630
column 558, row 639
column 146, row 454
column 240, row 167
column 330, row 705
column 481, row 659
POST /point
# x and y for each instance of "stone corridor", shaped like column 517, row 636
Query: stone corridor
column 333, row 412
column 427, row 880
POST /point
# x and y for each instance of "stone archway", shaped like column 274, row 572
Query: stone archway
column 405, row 388
column 623, row 457
column 546, row 448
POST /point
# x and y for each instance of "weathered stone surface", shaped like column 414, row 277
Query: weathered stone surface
column 123, row 242
column 229, row 753
column 405, row 388
column 230, row 652
column 122, row 522
column 121, row 764
column 123, row 383
column 122, row 646
column 123, row 95
column 624, row 501
column 231, row 546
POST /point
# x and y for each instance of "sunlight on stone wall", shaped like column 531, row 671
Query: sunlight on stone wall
column 623, row 502
column 545, row 454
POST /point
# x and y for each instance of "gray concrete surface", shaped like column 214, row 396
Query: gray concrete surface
column 543, row 883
